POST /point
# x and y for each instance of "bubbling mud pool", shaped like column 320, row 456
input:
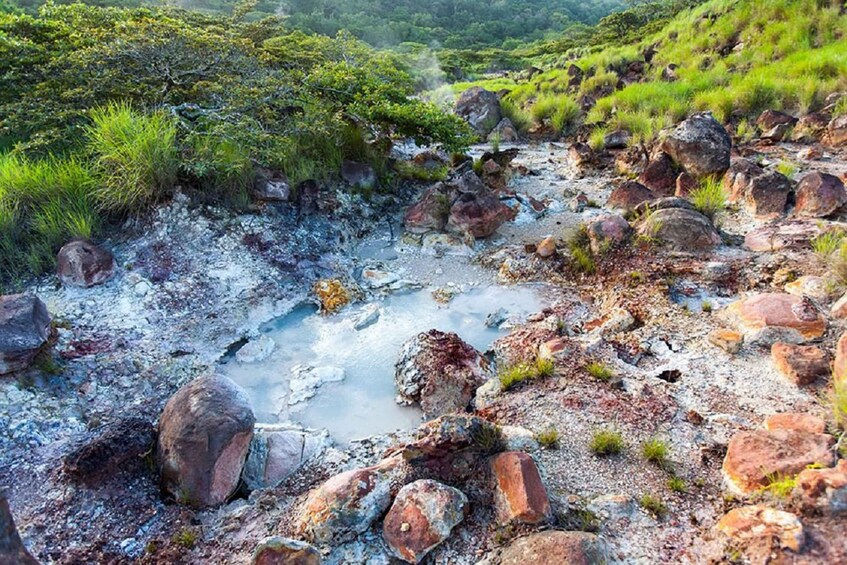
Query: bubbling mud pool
column 355, row 368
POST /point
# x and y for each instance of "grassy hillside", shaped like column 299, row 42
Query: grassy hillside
column 733, row 58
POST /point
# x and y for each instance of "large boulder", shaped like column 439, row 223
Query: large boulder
column 660, row 176
column 25, row 328
column 700, row 145
column 747, row 524
column 763, row 192
column 347, row 504
column 84, row 264
column 607, row 231
column 277, row 550
column 480, row 108
column 680, row 229
column 431, row 211
column 800, row 364
column 422, row 516
column 519, row 493
column 628, row 195
column 820, row 195
column 478, row 213
column 754, row 458
column 553, row 548
column 770, row 317
column 439, row 371
column 12, row 549
column 204, row 436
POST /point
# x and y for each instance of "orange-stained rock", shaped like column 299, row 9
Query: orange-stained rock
column 810, row 285
column 348, row 503
column 800, row 364
column 728, row 340
column 422, row 516
column 839, row 367
column 748, row 523
column 824, row 489
column 546, row 248
column 795, row 421
column 753, row 458
column 839, row 309
column 770, row 317
column 555, row 548
column 519, row 494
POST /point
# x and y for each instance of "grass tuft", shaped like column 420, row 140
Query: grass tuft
column 600, row 371
column 656, row 451
column 607, row 442
column 709, row 198
column 653, row 505
column 548, row 439
column 677, row 484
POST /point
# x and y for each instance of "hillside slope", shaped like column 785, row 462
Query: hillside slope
column 735, row 59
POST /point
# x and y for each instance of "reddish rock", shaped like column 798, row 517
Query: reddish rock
column 607, row 231
column 769, row 119
column 839, row 309
column 82, row 263
column 478, row 214
column 736, row 181
column 763, row 192
column 431, row 211
column 811, row 128
column 800, row 364
column 660, row 176
column 837, row 131
column 824, row 489
column 422, row 517
column 754, row 457
column 700, row 145
column 629, row 195
column 797, row 422
column 282, row 551
column 555, row 548
column 750, row 523
column 796, row 234
column 813, row 153
column 519, row 494
column 812, row 286
column 25, row 328
column 770, row 317
column 347, row 504
column 685, row 185
column 439, row 371
column 819, row 195
column 546, row 248
column 631, row 162
column 580, row 155
column 204, row 435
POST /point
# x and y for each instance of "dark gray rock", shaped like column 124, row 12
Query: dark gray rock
column 25, row 328
column 84, row 264
column 700, row 145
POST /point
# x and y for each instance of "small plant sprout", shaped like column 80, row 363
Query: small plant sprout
column 706, row 306
column 786, row 168
column 656, row 451
column 600, row 371
column 825, row 245
column 653, row 505
column 607, row 442
column 677, row 484
column 548, row 439
column 186, row 537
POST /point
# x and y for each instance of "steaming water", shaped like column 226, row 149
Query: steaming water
column 363, row 403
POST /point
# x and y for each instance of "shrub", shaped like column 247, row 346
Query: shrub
column 600, row 371
column 136, row 156
column 221, row 169
column 656, row 451
column 709, row 198
column 607, row 442
column 548, row 439
column 653, row 505
column 597, row 138
column 582, row 259
column 186, row 537
column 489, row 438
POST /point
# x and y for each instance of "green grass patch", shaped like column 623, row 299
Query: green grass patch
column 656, row 451
column 787, row 168
column 678, row 485
column 600, row 371
column 548, row 439
column 606, row 442
column 654, row 505
column 709, row 198
column 525, row 372
column 780, row 486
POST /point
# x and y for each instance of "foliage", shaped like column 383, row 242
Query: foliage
column 579, row 245
column 489, row 438
column 548, row 439
column 607, row 442
column 677, row 484
column 135, row 154
column 827, row 244
column 186, row 537
column 656, row 451
column 599, row 371
column 709, row 198
column 780, row 486
column 653, row 505
column 511, row 377
column 787, row 168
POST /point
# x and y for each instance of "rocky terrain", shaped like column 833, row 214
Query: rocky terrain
column 673, row 403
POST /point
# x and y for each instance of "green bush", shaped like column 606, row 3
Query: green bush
column 136, row 156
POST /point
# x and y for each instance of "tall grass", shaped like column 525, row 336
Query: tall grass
column 709, row 198
column 136, row 156
column 562, row 111
column 520, row 118
column 43, row 204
